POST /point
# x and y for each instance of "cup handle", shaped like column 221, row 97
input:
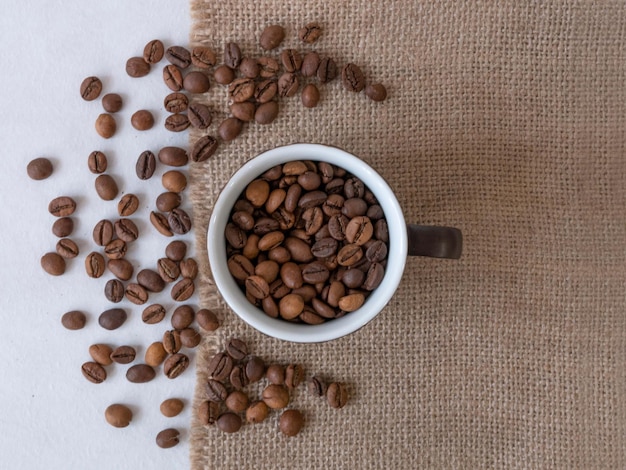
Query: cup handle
column 434, row 242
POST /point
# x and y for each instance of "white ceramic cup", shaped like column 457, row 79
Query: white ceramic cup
column 442, row 242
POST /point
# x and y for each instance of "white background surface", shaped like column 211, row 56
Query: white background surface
column 50, row 416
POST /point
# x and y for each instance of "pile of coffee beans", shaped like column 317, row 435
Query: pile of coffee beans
column 307, row 242
column 230, row 403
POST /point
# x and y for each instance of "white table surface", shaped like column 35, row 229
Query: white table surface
column 50, row 416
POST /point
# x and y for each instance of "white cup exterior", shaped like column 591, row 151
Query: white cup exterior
column 298, row 332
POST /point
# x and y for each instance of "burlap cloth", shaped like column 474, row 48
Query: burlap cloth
column 507, row 120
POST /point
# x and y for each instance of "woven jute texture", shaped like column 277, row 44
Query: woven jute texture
column 508, row 121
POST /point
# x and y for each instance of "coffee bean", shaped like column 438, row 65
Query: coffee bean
column 128, row 205
column 196, row 82
column 352, row 78
column 137, row 67
column 39, row 168
column 257, row 287
column 165, row 202
column 173, row 77
column 175, row 365
column 207, row 319
column 174, row 180
column 220, row 366
column 238, row 378
column 126, row 230
column 317, row 387
column 153, row 314
column 310, row 63
column 171, row 341
column 112, row 102
column 173, row 156
column 97, row 162
column 265, row 91
column 232, row 55
column 203, row 57
column 136, row 293
column 216, row 391
column 150, row 280
column 62, row 206
column 199, row 116
column 288, row 84
column 290, row 306
column 182, row 290
column 237, row 401
column 159, row 221
column 63, row 227
column 121, row 268
column 168, row 269
column 123, row 354
column 376, row 92
column 326, row 70
column 140, row 373
column 254, row 369
column 189, row 268
column 142, row 120
column 177, row 122
column 359, row 230
column 176, row 103
column 241, row 89
column 351, row 302
column 118, row 415
column 190, row 337
column 294, row 375
column 179, row 221
column 171, row 407
column 204, row 148
column 243, row 111
column 94, row 372
column 229, row 422
column 146, row 164
column 310, row 96
column 224, row 75
column 257, row 412
column 74, row 320
column 208, row 412
column 276, row 396
column 178, row 56
column 375, row 275
column 105, row 125
column 153, row 51
column 90, row 88
column 168, row 438
column 337, row 395
column 381, row 231
column 94, row 264
column 101, row 353
column 155, row 354
column 114, row 290
column 67, row 248
column 230, row 128
column 271, row 37
column 291, row 59
column 275, row 374
column 112, row 319
column 106, row 187
column 249, row 68
column 237, row 349
column 290, row 422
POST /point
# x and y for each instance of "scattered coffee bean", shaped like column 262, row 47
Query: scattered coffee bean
column 173, row 156
column 275, row 374
column 249, row 67
column 136, row 293
column 105, row 125
column 106, row 187
column 232, row 55
column 254, row 369
column 200, row 116
column 179, row 221
column 203, row 57
column 310, row 96
column 94, row 264
column 376, row 92
column 171, row 407
column 168, row 438
column 112, row 319
column 241, row 89
column 168, row 269
column 126, row 230
column 216, row 391
column 62, row 206
column 271, row 37
column 208, row 412
column 142, row 120
column 229, row 422
column 196, row 82
column 173, row 77
column 276, row 396
column 90, row 88
column 176, row 250
column 116, row 249
column 243, row 111
column 63, row 227
column 294, row 375
column 74, row 320
column 207, row 319
column 128, row 205
column 177, row 122
column 337, row 395
column 257, row 412
column 174, row 180
column 101, row 353
column 291, row 59
column 150, row 280
column 123, row 354
column 140, row 373
column 230, row 128
column 118, row 415
column 114, row 290
column 146, row 164
column 317, row 387
column 268, row 67
column 266, row 113
column 190, row 338
column 39, row 168
column 159, row 221
column 182, row 317
column 112, row 102
column 179, row 56
column 94, row 372
column 171, row 341
column 137, row 67
column 290, row 422
column 352, row 78
column 176, row 103
column 237, row 349
column 153, row 314
column 155, row 354
column 288, row 85
column 165, row 202
column 67, row 248
column 237, row 401
column 326, row 70
column 224, row 75
column 97, row 162
column 121, row 268
column 153, row 51
column 175, row 365
column 182, row 290
column 310, row 32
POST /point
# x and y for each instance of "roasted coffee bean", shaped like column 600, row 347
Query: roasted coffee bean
column 325, row 247
column 224, row 75
column 291, row 59
column 203, row 57
column 300, row 250
column 290, row 306
column 240, row 267
column 63, row 227
column 123, row 354
column 310, row 96
column 182, row 290
column 353, row 207
column 337, row 227
column 159, row 221
column 275, row 374
column 118, row 415
column 207, row 319
column 375, row 212
column 216, row 391
column 235, row 236
column 288, row 85
column 105, row 125
column 268, row 67
column 140, row 373
column 276, row 396
column 182, row 317
column 313, row 218
column 375, row 275
column 153, row 314
column 317, row 387
column 176, row 103
column 326, row 70
column 294, row 375
column 352, row 78
column 94, row 372
column 165, row 202
column 249, row 68
column 257, row 412
column 315, row 273
column 243, row 111
column 291, row 422
column 271, row 37
column 155, row 354
column 126, row 230
column 229, row 422
column 376, row 92
column 168, row 269
column 173, row 156
column 136, row 293
column 121, row 268
column 90, row 88
column 74, row 320
column 312, row 199
column 67, row 248
column 241, row 89
column 257, row 287
column 220, row 366
column 190, row 337
column 359, row 230
column 168, row 438
column 381, row 231
column 237, row 401
column 137, row 67
column 128, row 205
column 310, row 32
column 39, row 168
column 237, row 349
column 101, row 353
column 112, row 319
column 175, row 365
column 349, row 255
column 94, row 264
column 174, row 180
column 196, row 82
column 178, row 56
column 337, row 395
column 171, row 407
column 199, row 116
column 265, row 90
column 266, row 113
column 335, row 186
column 142, row 120
column 310, row 63
column 208, row 412
column 112, row 102
column 232, row 55
column 189, row 268
column 242, row 219
column 62, row 206
column 351, row 302
column 153, row 51
column 173, row 77
column 204, row 148
column 177, row 122
column 238, row 378
column 106, row 187
column 230, row 128
column 114, row 290
column 179, row 221
column 353, row 278
column 145, row 166
column 254, row 369
column 171, row 341
column 150, row 280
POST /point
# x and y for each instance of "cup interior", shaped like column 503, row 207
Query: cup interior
column 298, row 332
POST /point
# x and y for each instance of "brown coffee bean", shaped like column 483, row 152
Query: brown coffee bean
column 300, row 250
column 354, row 207
column 121, row 268
column 310, row 63
column 208, row 412
column 126, row 230
column 275, row 374
column 176, row 103
column 265, row 90
column 105, row 125
column 271, row 37
column 376, row 92
column 216, row 391
column 101, row 353
column 146, row 164
column 165, row 202
column 140, row 373
column 238, row 378
column 168, row 438
column 310, row 96
column 150, row 280
column 173, row 156
column 203, row 57
column 171, row 407
column 315, row 273
column 137, row 67
column 352, row 78
column 266, row 113
column 153, row 314
column 317, row 387
column 375, row 275
column 349, row 255
column 237, row 401
column 62, row 206
column 288, row 85
column 112, row 102
column 177, row 122
column 168, row 269
column 74, row 320
column 204, row 148
column 153, row 51
column 63, row 227
column 196, row 82
column 90, row 88
column 179, row 56
column 241, row 89
column 123, row 354
column 118, row 415
column 237, row 349
column 359, row 230
column 326, row 70
column 249, row 68
column 179, row 221
column 189, row 268
column 254, row 369
column 94, row 264
column 290, row 306
column 232, row 55
column 291, row 59
column 276, row 396
column 220, row 366
column 257, row 287
column 155, row 354
column 159, row 221
column 171, row 341
column 268, row 270
column 173, row 77
column 230, row 128
column 290, row 422
column 257, row 412
column 106, row 187
column 200, row 116
column 67, row 248
column 94, row 372
column 174, row 181
column 229, row 422
column 337, row 395
column 182, row 317
column 175, row 365
column 353, row 278
column 142, row 120
column 243, row 111
column 182, row 290
column 136, row 293
column 39, row 168
column 351, row 302
column 128, row 205
column 313, row 218
column 224, row 75
column 268, row 67
column 114, row 290
column 207, row 319
column 190, row 338
column 294, row 375
column 103, row 232
column 112, row 319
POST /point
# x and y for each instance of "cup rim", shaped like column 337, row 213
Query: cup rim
column 298, row 332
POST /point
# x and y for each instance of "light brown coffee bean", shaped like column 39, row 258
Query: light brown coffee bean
column 266, row 113
column 63, row 227
column 351, row 302
column 123, row 354
column 171, row 407
column 173, row 77
column 337, row 395
column 271, row 37
column 290, row 306
column 126, row 230
column 155, row 354
column 137, row 67
column 310, row 96
column 276, row 396
column 106, row 187
column 175, row 365
column 62, row 206
column 90, row 88
column 142, row 120
column 165, row 202
column 310, row 32
column 121, row 268
column 128, row 205
column 177, row 122
column 174, row 181
column 39, row 168
column 101, row 353
column 237, row 401
column 168, row 438
column 159, row 221
column 224, row 75
column 153, row 51
column 189, row 268
column 203, row 57
column 182, row 290
column 94, row 264
column 153, row 314
column 94, row 372
column 176, row 102
column 105, row 125
column 140, row 373
column 118, row 415
column 136, row 293
column 74, row 320
column 171, row 341
column 207, row 319
column 168, row 269
column 257, row 412
column 290, row 422
column 67, row 248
